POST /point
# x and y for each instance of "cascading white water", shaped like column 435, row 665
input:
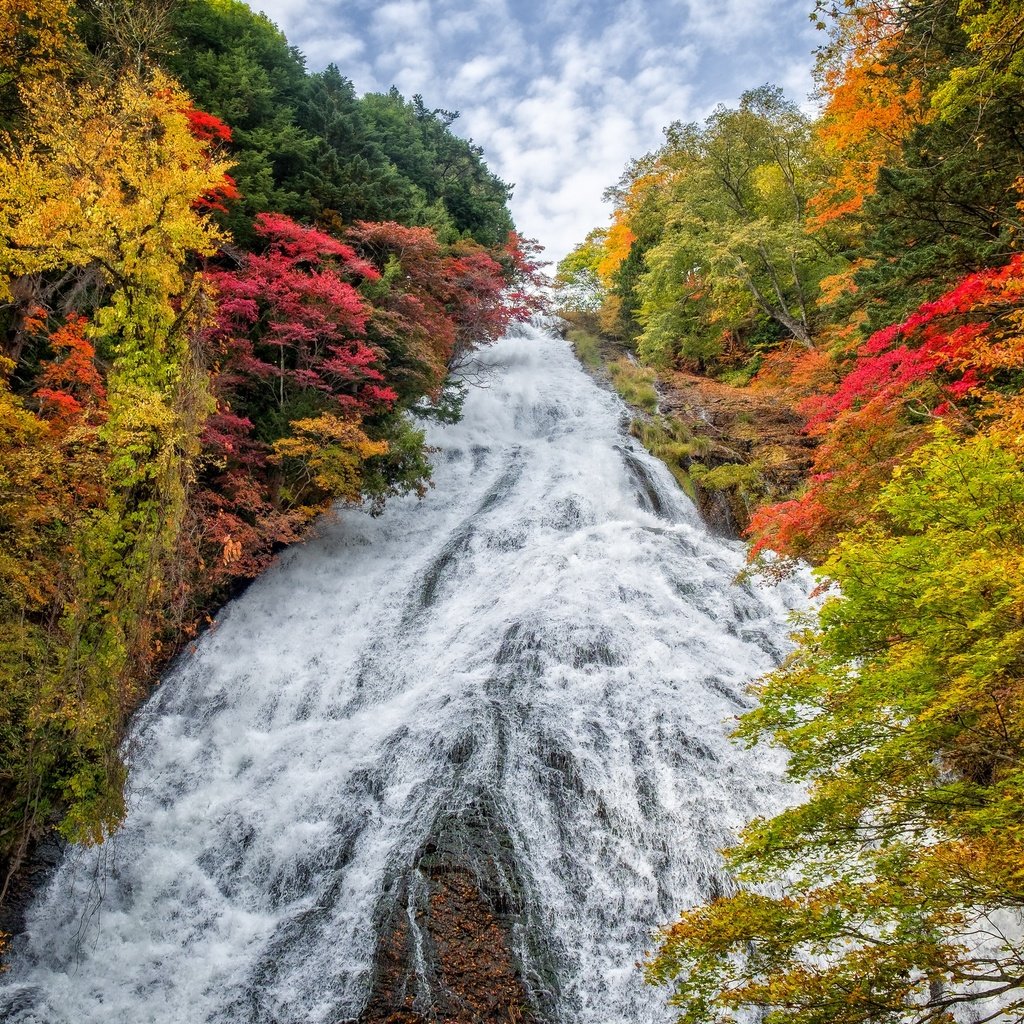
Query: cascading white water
column 549, row 648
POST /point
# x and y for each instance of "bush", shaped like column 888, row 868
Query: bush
column 635, row 384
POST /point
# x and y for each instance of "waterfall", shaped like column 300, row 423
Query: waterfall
column 535, row 668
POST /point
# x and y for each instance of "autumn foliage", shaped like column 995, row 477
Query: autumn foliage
column 872, row 107
column 940, row 363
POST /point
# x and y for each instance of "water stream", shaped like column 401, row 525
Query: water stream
column 542, row 657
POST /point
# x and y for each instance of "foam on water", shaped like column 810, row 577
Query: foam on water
column 550, row 643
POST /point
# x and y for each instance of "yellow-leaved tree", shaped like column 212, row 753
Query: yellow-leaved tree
column 101, row 190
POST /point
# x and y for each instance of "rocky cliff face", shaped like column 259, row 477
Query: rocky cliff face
column 747, row 446
column 730, row 448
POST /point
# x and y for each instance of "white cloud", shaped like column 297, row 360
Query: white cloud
column 401, row 17
column 459, row 23
column 482, row 78
column 345, row 50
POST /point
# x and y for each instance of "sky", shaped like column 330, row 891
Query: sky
column 560, row 95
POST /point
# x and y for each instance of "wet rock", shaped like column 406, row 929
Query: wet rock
column 446, row 958
column 26, row 878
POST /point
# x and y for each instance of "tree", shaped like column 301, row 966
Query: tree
column 995, row 33
column 872, row 106
column 352, row 177
column 948, row 205
column 901, row 712
column 106, row 181
column 52, row 483
column 458, row 188
column 39, row 40
column 734, row 214
column 637, row 225
column 578, row 287
column 938, row 363
column 238, row 65
column 294, row 377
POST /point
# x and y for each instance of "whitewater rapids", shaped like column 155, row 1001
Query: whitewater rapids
column 550, row 642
